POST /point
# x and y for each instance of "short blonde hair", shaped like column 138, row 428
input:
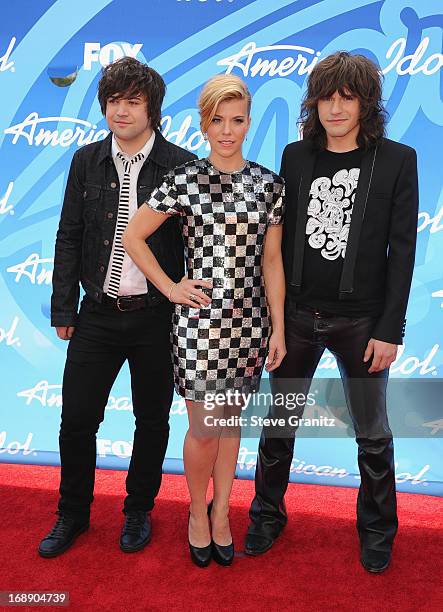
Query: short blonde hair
column 218, row 89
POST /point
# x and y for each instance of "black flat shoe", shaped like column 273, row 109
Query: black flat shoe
column 62, row 536
column 201, row 556
column 223, row 555
column 136, row 532
column 375, row 561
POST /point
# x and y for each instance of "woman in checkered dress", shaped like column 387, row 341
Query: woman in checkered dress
column 224, row 322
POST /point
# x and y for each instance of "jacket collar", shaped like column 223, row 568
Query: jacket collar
column 159, row 154
column 105, row 148
column 160, row 150
column 302, row 214
column 357, row 218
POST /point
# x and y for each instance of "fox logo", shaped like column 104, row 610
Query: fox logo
column 107, row 54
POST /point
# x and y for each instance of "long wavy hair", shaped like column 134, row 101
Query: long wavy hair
column 348, row 74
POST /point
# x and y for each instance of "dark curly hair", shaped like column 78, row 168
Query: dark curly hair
column 348, row 74
column 126, row 78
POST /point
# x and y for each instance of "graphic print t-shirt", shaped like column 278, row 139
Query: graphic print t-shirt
column 331, row 200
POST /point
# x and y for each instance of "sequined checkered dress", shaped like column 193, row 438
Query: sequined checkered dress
column 224, row 217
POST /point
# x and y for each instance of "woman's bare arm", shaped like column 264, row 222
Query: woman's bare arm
column 275, row 287
column 143, row 224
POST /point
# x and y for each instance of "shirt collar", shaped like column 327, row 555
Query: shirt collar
column 146, row 149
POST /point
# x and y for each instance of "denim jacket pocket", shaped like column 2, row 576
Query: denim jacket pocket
column 143, row 193
column 91, row 197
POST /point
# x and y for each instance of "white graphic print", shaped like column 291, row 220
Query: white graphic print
column 329, row 212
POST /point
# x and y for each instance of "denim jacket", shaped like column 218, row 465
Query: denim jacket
column 88, row 219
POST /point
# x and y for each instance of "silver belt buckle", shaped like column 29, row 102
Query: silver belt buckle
column 119, row 302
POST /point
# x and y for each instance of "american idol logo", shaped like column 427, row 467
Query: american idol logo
column 403, row 365
column 5, row 62
column 247, row 461
column 44, row 394
column 252, row 61
column 7, row 334
column 50, row 396
column 84, row 132
column 14, row 447
column 415, row 62
column 185, row 136
column 434, row 426
column 34, row 268
column 434, row 224
column 5, row 207
column 438, row 294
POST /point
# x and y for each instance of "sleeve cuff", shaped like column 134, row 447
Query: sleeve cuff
column 384, row 331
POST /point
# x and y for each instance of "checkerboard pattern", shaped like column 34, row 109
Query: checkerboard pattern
column 224, row 218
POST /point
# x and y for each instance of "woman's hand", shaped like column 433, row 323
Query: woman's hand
column 277, row 351
column 187, row 292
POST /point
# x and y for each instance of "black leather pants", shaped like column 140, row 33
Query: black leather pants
column 308, row 334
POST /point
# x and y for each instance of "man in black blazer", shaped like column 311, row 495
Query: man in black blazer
column 348, row 247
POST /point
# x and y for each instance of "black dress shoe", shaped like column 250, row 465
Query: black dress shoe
column 200, row 555
column 223, row 555
column 375, row 561
column 136, row 532
column 257, row 544
column 62, row 536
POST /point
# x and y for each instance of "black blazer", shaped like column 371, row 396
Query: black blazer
column 380, row 253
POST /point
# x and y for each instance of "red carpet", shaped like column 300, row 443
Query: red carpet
column 313, row 567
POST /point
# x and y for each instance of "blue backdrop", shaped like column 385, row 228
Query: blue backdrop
column 51, row 54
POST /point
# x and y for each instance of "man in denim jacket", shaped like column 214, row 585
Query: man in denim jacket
column 122, row 316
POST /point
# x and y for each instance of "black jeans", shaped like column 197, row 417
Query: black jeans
column 103, row 339
column 308, row 334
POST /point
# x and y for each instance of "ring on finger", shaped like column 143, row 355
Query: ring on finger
column 192, row 297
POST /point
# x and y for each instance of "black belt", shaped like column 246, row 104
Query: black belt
column 126, row 303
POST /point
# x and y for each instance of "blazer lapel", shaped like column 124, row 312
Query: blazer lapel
column 302, row 214
column 358, row 213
